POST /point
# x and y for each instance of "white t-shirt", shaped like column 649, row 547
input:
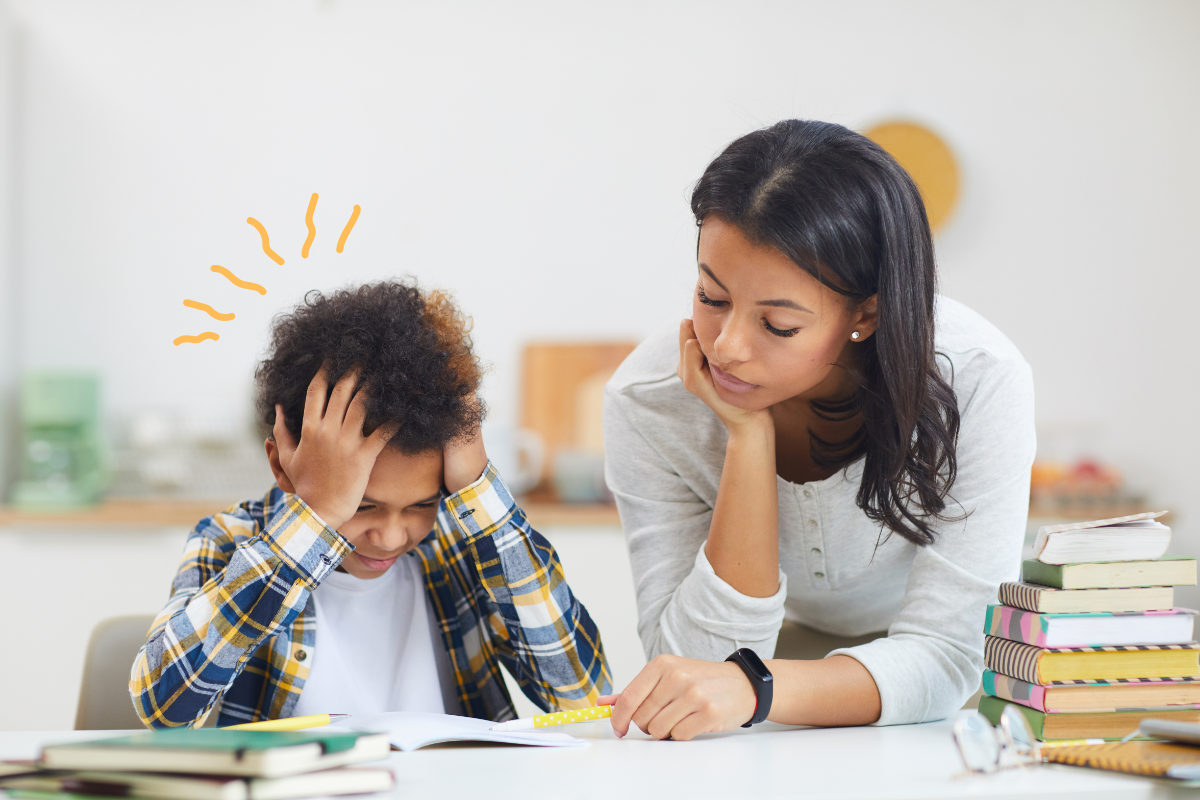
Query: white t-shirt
column 378, row 647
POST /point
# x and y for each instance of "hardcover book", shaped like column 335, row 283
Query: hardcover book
column 1165, row 571
column 213, row 751
column 1047, row 667
column 1082, row 725
column 1049, row 600
column 1172, row 626
column 1097, row 696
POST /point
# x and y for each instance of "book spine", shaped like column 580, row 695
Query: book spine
column 1034, row 571
column 1014, row 689
column 1011, row 658
column 1016, row 624
column 1096, row 757
column 1020, row 595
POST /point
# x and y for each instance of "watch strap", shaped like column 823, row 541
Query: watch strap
column 760, row 678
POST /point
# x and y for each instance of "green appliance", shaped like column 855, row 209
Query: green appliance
column 61, row 460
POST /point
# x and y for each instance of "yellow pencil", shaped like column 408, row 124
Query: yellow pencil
column 559, row 718
column 288, row 723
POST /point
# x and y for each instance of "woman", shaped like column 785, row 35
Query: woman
column 826, row 441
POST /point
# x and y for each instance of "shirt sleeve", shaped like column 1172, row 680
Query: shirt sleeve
column 545, row 637
column 684, row 607
column 932, row 658
column 236, row 586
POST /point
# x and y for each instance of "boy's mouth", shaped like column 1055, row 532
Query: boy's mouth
column 377, row 564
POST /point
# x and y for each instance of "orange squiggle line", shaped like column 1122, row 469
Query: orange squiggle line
column 236, row 281
column 312, row 229
column 278, row 259
column 196, row 339
column 207, row 309
column 349, row 227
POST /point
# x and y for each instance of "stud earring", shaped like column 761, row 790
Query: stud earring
column 854, row 336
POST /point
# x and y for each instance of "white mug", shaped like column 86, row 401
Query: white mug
column 518, row 454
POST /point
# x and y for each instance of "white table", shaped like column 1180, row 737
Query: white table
column 908, row 761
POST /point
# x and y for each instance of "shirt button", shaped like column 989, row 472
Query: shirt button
column 808, row 494
column 301, row 655
column 812, row 523
column 816, row 551
column 819, row 574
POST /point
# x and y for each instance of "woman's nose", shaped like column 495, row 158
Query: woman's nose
column 732, row 345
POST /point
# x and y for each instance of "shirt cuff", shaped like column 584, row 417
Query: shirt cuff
column 302, row 540
column 723, row 611
column 483, row 506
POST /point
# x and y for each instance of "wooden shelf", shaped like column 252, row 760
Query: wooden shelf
column 186, row 513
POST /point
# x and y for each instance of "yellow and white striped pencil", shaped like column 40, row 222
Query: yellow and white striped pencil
column 559, row 718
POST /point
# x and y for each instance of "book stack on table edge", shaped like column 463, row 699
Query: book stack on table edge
column 1089, row 642
column 204, row 764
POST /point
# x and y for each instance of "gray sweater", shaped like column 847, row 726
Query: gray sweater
column 664, row 452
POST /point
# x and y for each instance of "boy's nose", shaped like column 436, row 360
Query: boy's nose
column 391, row 536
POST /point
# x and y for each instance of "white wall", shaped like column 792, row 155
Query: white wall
column 9, row 276
column 536, row 158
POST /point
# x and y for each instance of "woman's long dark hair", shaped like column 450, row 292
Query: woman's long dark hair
column 843, row 210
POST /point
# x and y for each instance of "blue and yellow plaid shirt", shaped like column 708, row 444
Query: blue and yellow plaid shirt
column 239, row 627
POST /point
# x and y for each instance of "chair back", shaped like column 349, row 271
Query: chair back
column 104, row 702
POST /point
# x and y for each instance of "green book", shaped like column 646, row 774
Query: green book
column 1165, row 571
column 1082, row 725
column 212, row 751
column 60, row 785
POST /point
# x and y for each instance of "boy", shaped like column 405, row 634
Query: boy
column 389, row 569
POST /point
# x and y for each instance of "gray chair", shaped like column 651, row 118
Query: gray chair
column 104, row 702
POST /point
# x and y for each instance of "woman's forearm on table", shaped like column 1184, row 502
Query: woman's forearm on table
column 829, row 692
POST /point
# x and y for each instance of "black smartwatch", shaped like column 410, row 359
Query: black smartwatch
column 760, row 679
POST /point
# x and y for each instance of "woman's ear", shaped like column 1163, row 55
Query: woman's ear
column 865, row 318
column 281, row 477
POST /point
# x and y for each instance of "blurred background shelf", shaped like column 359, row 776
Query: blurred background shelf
column 186, row 513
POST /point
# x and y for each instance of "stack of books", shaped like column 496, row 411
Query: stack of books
column 1089, row 642
column 204, row 764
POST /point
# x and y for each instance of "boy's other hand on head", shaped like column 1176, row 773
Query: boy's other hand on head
column 465, row 458
column 330, row 466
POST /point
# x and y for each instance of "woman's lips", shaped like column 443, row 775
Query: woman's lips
column 378, row 564
column 727, row 381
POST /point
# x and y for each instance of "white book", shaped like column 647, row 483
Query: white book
column 1138, row 537
column 410, row 730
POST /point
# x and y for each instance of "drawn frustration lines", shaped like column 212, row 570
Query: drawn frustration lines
column 207, row 309
column 349, row 227
column 266, row 241
column 312, row 229
column 196, row 339
column 236, row 281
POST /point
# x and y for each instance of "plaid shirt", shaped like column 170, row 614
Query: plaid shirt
column 239, row 627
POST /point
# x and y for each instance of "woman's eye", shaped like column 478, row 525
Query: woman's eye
column 364, row 508
column 708, row 301
column 785, row 334
column 430, row 504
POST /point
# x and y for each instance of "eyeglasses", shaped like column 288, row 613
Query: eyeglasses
column 987, row 749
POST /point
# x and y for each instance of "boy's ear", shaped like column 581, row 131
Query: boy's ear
column 281, row 477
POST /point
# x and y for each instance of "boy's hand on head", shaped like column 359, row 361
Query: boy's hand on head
column 332, row 463
column 464, row 459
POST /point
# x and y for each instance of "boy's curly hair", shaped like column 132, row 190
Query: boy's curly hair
column 412, row 350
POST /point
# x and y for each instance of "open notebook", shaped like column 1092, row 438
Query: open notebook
column 410, row 730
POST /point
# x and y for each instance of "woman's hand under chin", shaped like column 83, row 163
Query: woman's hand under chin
column 697, row 378
column 681, row 698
